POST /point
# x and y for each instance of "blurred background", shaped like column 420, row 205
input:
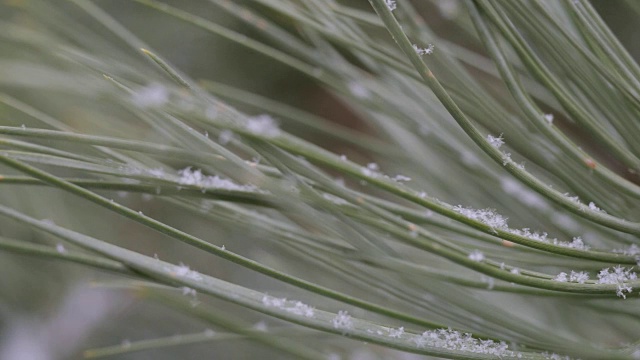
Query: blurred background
column 56, row 310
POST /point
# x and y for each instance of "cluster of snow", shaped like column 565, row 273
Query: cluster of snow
column 342, row 321
column 618, row 275
column 631, row 250
column 576, row 243
column 486, row 216
column 196, row 178
column 298, row 308
column 184, row 271
column 263, row 125
column 593, row 207
column 187, row 291
column 498, row 222
column 401, row 178
column 579, row 277
column 371, row 169
column 391, row 4
column 396, row 333
column 476, row 255
column 455, row 340
column 496, row 142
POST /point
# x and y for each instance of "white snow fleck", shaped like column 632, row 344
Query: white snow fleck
column 396, row 333
column 342, row 321
column 562, row 277
column 593, row 207
column 579, row 277
column 618, row 275
column 358, row 90
column 391, row 4
column 549, row 118
column 486, row 216
column 401, row 178
column 476, row 255
column 298, row 308
column 184, row 271
column 60, row 249
column 496, row 142
column 196, row 178
column 152, row 95
column 263, row 125
column 187, row 291
column 455, row 340
column 423, row 51
column 631, row 250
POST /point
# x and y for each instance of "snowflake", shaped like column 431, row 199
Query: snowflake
column 476, row 255
column 391, row 4
column 455, row 340
column 342, row 321
column 496, row 142
column 196, row 178
column 421, row 51
column 562, row 277
column 184, row 271
column 576, row 243
column 579, row 277
column 633, row 249
column 618, row 275
column 593, row 207
column 298, row 307
column 486, row 216
column 263, row 125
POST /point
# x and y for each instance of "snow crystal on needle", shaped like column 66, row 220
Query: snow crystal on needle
column 618, row 275
column 580, row 277
column 455, row 340
column 631, row 250
column 298, row 308
column 496, row 142
column 196, row 178
column 396, row 333
column 476, row 255
column 184, row 271
column 498, row 222
column 391, row 4
column 342, row 321
column 421, row 51
column 486, row 216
